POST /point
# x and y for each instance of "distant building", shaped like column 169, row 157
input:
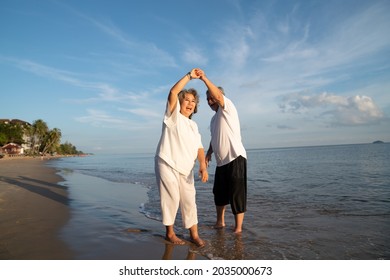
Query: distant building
column 15, row 121
column 27, row 142
column 12, row 149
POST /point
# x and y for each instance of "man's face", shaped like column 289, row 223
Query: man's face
column 212, row 103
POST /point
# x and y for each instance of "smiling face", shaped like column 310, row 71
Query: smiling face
column 212, row 103
column 187, row 105
column 188, row 102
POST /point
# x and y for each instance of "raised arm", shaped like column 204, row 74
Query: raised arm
column 175, row 90
column 215, row 92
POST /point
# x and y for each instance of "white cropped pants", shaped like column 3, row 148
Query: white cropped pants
column 176, row 190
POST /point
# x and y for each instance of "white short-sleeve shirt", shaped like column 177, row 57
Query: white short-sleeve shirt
column 180, row 141
column 226, row 135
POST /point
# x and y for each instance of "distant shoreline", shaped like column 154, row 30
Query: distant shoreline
column 316, row 146
column 13, row 157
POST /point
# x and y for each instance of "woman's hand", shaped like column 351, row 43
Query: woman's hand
column 195, row 73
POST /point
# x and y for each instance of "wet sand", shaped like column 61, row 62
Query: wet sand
column 35, row 208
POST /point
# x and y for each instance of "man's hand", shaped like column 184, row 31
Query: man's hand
column 200, row 73
column 208, row 159
column 203, row 174
column 195, row 73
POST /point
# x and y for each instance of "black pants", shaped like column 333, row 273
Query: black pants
column 230, row 185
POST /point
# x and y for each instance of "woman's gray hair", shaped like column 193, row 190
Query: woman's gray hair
column 192, row 91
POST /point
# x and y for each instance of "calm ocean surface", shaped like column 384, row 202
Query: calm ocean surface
column 325, row 202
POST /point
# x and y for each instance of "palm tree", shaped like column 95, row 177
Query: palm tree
column 37, row 133
column 51, row 141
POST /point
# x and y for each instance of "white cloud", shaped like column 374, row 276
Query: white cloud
column 355, row 110
column 297, row 54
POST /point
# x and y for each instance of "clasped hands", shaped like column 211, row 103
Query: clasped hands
column 197, row 73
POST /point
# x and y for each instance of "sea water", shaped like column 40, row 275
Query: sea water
column 324, row 202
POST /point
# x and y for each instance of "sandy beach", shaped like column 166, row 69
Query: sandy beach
column 35, row 208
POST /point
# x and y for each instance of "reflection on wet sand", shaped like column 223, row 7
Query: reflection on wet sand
column 168, row 253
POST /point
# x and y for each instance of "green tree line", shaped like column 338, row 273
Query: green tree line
column 39, row 138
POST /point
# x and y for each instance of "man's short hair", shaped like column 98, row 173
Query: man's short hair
column 220, row 88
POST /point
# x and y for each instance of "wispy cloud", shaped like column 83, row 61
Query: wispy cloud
column 102, row 92
column 293, row 69
column 100, row 118
column 143, row 112
column 104, row 119
column 345, row 41
column 48, row 72
column 264, row 58
column 109, row 94
column 195, row 56
column 147, row 50
column 285, row 127
column 105, row 91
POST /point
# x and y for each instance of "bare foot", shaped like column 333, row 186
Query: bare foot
column 219, row 226
column 237, row 230
column 198, row 242
column 175, row 240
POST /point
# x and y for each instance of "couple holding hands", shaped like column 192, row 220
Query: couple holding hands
column 180, row 146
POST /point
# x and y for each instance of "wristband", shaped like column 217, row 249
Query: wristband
column 189, row 75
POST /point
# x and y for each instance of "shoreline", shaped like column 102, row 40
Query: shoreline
column 107, row 223
column 33, row 208
column 40, row 218
column 46, row 157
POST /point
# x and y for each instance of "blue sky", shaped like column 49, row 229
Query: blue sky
column 300, row 72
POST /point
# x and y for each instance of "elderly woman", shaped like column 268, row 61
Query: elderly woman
column 179, row 147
